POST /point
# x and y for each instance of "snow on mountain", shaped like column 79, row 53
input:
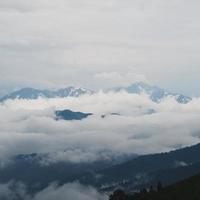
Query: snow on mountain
column 31, row 93
column 155, row 93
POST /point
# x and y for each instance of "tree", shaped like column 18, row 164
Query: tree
column 118, row 195
column 151, row 189
column 159, row 186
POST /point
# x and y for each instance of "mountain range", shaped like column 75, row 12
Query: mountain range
column 70, row 115
column 155, row 93
column 31, row 93
column 130, row 173
column 148, row 169
column 188, row 189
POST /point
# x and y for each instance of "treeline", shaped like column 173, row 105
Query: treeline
column 188, row 189
column 121, row 195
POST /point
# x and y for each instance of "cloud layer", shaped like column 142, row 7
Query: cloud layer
column 142, row 127
column 72, row 191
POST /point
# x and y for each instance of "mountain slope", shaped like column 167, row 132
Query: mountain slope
column 37, row 171
column 146, row 169
column 37, row 174
column 156, row 94
column 70, row 115
column 105, row 175
column 31, row 93
column 188, row 189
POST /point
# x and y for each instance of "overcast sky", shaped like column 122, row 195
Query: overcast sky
column 93, row 43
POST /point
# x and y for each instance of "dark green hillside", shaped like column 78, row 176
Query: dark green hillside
column 144, row 170
column 188, row 189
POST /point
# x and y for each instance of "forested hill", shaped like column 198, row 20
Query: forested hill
column 188, row 189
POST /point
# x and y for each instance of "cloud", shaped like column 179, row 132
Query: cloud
column 29, row 126
column 62, row 42
column 114, row 79
column 72, row 191
column 180, row 164
column 13, row 191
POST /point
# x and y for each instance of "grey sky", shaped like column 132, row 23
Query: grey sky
column 46, row 43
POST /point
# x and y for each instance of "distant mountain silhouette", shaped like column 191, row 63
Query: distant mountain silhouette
column 37, row 171
column 143, row 170
column 70, row 115
column 156, row 94
column 31, row 93
column 106, row 175
column 188, row 189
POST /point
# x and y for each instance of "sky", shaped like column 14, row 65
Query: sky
column 100, row 44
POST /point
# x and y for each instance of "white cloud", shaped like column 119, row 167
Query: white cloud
column 113, row 79
column 28, row 126
column 13, row 191
column 72, row 191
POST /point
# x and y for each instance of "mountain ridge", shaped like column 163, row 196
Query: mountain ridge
column 32, row 93
column 106, row 175
column 155, row 93
column 70, row 115
column 146, row 169
column 187, row 189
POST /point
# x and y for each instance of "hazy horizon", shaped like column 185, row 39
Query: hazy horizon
column 99, row 44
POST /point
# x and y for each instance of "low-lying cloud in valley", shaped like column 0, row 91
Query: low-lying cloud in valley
column 72, row 191
column 140, row 127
